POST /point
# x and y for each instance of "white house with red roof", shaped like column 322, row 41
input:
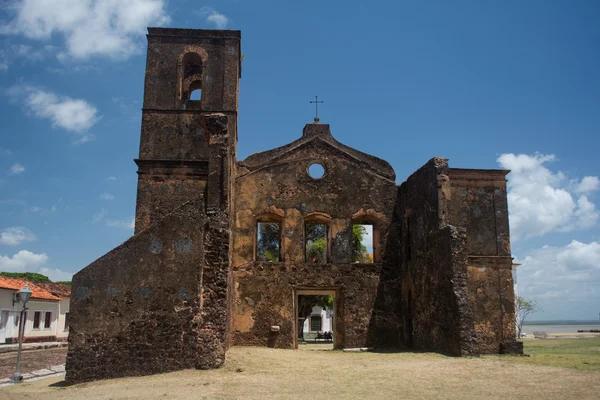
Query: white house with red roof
column 47, row 317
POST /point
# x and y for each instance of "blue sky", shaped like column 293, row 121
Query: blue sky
column 487, row 84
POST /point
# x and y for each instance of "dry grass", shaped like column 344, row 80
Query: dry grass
column 289, row 374
column 582, row 354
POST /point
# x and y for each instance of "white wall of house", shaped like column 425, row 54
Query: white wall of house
column 42, row 306
column 61, row 332
column 326, row 320
column 6, row 316
column 10, row 315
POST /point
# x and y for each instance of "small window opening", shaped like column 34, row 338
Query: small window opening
column 316, row 243
column 191, row 76
column 268, row 241
column 362, row 243
column 196, row 95
column 48, row 320
column 316, row 323
column 192, row 65
column 195, row 90
column 37, row 317
column 66, row 321
column 316, row 171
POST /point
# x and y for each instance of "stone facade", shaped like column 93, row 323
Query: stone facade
column 189, row 283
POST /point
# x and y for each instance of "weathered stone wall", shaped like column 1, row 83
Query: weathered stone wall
column 264, row 297
column 138, row 309
column 440, row 310
column 491, row 292
column 478, row 202
column 174, row 147
column 221, row 69
column 435, row 305
column 160, row 190
column 159, row 302
column 356, row 188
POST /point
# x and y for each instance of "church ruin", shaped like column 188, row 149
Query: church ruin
column 190, row 283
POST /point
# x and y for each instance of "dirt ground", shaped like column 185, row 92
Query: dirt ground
column 31, row 360
column 261, row 373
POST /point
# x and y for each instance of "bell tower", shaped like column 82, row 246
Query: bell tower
column 189, row 73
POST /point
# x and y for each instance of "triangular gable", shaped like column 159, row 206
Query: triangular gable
column 318, row 134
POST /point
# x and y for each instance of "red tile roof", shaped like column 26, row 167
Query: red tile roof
column 57, row 289
column 17, row 284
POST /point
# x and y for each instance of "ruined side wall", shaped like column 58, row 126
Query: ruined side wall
column 478, row 203
column 137, row 310
column 435, row 305
column 159, row 302
column 439, row 299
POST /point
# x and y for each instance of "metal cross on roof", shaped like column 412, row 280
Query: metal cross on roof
column 316, row 102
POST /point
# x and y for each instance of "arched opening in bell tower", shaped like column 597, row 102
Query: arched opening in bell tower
column 191, row 77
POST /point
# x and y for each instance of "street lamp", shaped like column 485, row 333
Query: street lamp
column 21, row 297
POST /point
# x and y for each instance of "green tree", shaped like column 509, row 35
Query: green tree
column 306, row 304
column 30, row 276
column 316, row 243
column 64, row 282
column 359, row 250
column 269, row 237
column 522, row 309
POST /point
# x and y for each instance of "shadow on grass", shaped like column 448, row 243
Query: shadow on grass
column 392, row 350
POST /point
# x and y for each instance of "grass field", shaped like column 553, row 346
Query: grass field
column 261, row 373
column 578, row 354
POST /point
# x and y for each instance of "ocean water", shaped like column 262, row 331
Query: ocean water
column 566, row 328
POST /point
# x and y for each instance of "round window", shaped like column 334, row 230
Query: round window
column 316, row 171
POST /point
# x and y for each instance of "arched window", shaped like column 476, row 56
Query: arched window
column 191, row 76
column 362, row 243
column 268, row 238
column 366, row 239
column 316, row 238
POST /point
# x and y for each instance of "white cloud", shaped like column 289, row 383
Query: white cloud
column 22, row 261
column 56, row 275
column 214, row 17
column 565, row 281
column 99, row 216
column 13, row 202
column 16, row 169
column 10, row 53
column 540, row 200
column 588, row 184
column 122, row 223
column 26, row 261
column 74, row 115
column 107, row 196
column 42, row 211
column 111, row 28
column 111, row 178
column 16, row 235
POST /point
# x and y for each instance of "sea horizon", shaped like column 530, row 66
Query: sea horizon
column 563, row 322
